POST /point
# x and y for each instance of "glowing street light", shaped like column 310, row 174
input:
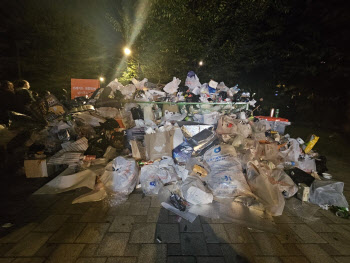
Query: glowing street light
column 127, row 51
column 102, row 79
column 200, row 63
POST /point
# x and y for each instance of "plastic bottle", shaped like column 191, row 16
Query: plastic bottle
column 288, row 165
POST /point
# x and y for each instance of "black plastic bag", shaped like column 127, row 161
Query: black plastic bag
column 299, row 176
column 321, row 164
column 137, row 113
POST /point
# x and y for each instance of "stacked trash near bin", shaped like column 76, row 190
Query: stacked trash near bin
column 197, row 147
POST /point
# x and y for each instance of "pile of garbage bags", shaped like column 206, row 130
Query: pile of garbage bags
column 200, row 156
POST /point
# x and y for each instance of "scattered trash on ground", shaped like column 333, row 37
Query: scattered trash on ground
column 197, row 147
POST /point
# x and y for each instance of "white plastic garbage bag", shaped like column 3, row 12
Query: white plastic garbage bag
column 150, row 182
column 269, row 194
column 173, row 86
column 192, row 81
column 120, row 175
column 328, row 193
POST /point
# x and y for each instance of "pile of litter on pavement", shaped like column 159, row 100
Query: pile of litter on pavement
column 197, row 147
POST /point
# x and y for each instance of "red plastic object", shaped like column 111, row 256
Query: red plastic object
column 268, row 118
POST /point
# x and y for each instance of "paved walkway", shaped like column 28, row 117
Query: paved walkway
column 53, row 230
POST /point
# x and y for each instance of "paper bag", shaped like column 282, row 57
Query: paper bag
column 158, row 145
column 138, row 150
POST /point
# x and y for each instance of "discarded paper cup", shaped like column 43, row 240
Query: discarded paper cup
column 327, row 176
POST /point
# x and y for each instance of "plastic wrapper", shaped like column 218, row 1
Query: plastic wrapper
column 195, row 192
column 203, row 141
column 301, row 209
column 328, row 193
column 120, row 175
column 269, row 194
column 190, row 129
column 313, row 140
column 226, row 178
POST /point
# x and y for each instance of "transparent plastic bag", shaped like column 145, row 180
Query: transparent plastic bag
column 328, row 193
column 292, row 153
column 269, row 194
column 195, row 192
column 302, row 209
column 226, row 178
column 120, row 175
column 244, row 129
column 150, row 182
column 286, row 185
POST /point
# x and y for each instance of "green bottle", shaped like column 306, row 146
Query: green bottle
column 277, row 113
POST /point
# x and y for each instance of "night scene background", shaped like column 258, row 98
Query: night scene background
column 293, row 54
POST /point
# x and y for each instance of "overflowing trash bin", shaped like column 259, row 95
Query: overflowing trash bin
column 197, row 147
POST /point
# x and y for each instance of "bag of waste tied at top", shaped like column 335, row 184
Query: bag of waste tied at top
column 120, row 175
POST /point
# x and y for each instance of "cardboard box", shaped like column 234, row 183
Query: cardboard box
column 35, row 168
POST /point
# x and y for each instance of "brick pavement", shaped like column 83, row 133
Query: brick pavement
column 52, row 230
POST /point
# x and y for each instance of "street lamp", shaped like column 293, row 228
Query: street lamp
column 200, row 63
column 127, row 51
column 102, row 79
